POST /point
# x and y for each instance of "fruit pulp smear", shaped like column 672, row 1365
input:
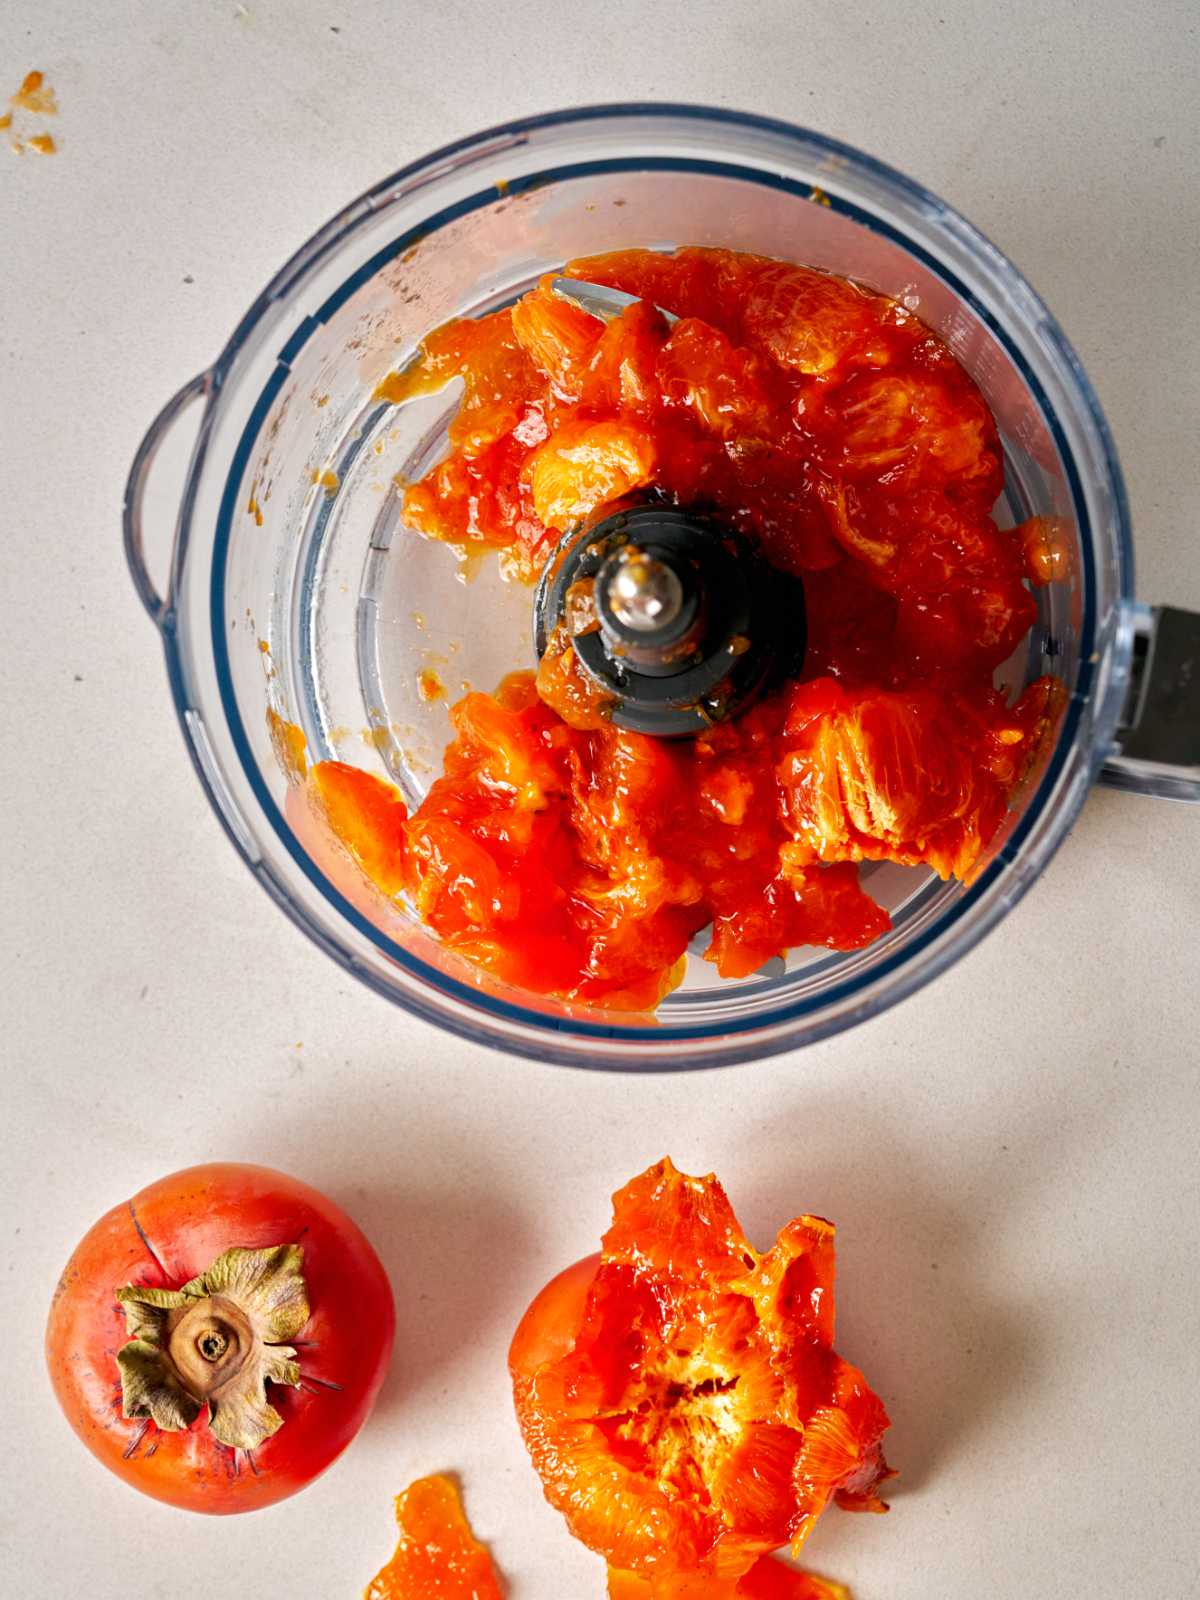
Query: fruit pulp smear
column 830, row 428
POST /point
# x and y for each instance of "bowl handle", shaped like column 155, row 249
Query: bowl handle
column 1156, row 747
column 135, row 489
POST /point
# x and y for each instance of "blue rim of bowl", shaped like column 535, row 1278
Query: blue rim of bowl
column 660, row 1034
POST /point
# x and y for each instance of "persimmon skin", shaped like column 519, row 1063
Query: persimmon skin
column 170, row 1232
column 552, row 1319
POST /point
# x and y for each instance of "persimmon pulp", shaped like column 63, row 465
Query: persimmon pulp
column 830, row 428
column 768, row 1579
column 437, row 1556
column 680, row 1396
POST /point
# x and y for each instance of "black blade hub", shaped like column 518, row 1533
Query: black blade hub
column 677, row 619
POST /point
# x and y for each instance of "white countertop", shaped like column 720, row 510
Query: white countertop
column 1011, row 1156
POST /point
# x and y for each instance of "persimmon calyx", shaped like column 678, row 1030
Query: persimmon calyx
column 217, row 1341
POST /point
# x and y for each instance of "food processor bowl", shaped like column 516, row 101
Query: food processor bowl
column 296, row 595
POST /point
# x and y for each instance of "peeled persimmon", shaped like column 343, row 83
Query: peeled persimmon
column 679, row 1394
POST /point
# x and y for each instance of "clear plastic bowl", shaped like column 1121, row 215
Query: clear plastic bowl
column 294, row 586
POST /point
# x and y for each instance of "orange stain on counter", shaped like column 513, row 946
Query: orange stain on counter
column 35, row 98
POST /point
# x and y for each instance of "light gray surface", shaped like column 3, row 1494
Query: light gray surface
column 1011, row 1156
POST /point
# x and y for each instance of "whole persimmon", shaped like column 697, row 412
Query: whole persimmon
column 217, row 1340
